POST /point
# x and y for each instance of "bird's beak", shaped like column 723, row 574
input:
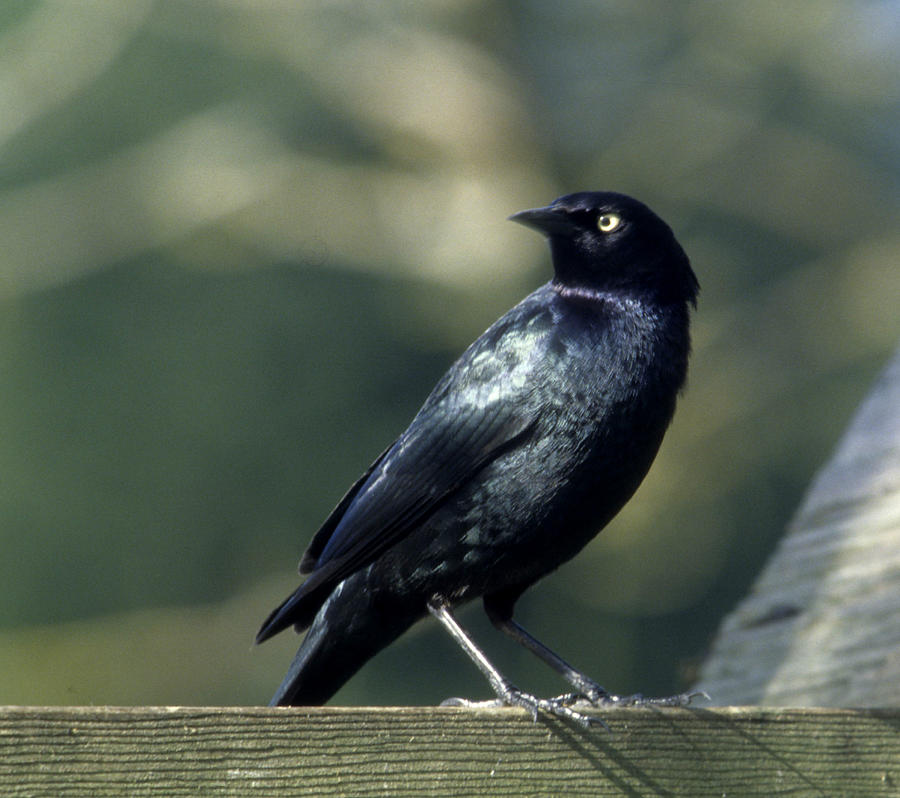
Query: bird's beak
column 549, row 220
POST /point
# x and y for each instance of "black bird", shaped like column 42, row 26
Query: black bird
column 526, row 448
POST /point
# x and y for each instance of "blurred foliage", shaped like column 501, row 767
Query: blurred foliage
column 241, row 241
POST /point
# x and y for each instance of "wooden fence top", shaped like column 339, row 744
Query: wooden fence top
column 448, row 752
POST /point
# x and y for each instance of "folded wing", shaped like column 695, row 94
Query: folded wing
column 446, row 445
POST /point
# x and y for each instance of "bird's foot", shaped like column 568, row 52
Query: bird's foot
column 599, row 697
column 468, row 703
column 508, row 695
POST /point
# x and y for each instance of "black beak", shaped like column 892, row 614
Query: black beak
column 550, row 221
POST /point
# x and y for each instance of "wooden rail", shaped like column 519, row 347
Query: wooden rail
column 448, row 752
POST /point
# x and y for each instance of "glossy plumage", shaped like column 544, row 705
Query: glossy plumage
column 530, row 443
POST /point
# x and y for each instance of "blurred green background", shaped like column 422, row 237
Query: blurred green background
column 240, row 240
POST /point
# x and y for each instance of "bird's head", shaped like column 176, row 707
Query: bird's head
column 604, row 241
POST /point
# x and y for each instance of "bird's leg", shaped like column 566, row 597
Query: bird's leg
column 506, row 692
column 501, row 617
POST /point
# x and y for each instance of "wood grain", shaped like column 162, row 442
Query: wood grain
column 415, row 751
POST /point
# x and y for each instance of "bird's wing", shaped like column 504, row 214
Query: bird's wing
column 479, row 410
column 444, row 446
column 320, row 539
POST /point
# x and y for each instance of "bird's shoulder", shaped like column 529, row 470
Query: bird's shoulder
column 531, row 342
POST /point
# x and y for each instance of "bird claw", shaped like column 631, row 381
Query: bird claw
column 558, row 705
column 608, row 700
column 491, row 703
column 561, row 705
column 514, row 697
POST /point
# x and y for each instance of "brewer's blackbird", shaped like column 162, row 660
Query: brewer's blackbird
column 526, row 448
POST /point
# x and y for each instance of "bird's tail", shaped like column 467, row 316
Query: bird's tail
column 318, row 670
column 350, row 628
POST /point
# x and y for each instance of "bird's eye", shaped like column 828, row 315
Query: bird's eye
column 607, row 222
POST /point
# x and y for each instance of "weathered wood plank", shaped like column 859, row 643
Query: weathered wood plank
column 819, row 627
column 179, row 751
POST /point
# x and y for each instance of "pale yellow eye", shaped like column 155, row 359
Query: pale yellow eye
column 607, row 222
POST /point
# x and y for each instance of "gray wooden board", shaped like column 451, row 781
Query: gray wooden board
column 411, row 751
